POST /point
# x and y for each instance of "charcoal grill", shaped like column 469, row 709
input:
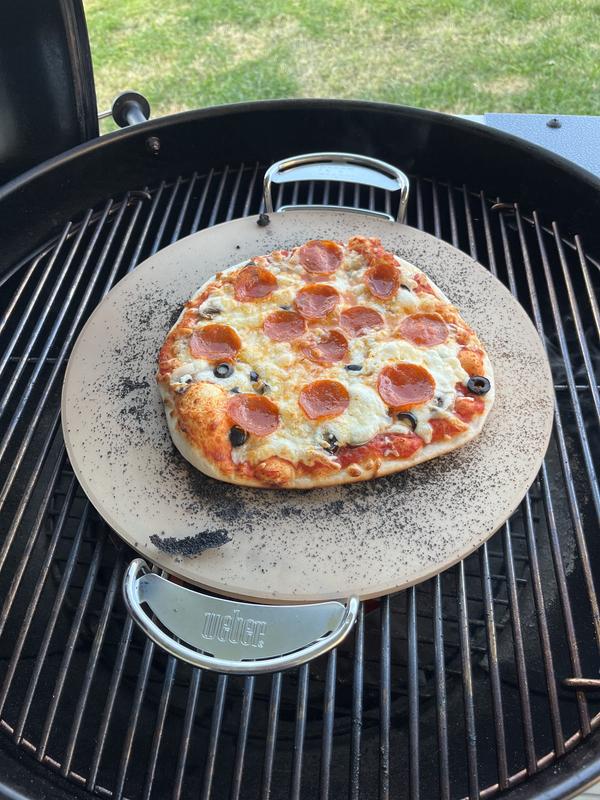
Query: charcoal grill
column 481, row 681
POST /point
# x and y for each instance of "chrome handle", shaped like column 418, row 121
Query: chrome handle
column 229, row 635
column 343, row 167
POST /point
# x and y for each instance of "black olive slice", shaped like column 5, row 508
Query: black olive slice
column 235, row 390
column 209, row 313
column 354, row 367
column 332, row 443
column 478, row 384
column 404, row 286
column 237, row 436
column 253, row 376
column 285, row 308
column 223, row 371
column 409, row 418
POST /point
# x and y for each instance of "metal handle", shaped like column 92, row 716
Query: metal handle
column 232, row 636
column 128, row 108
column 343, row 167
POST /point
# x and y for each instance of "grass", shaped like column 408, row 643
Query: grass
column 461, row 56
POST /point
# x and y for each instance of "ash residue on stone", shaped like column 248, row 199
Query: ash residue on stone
column 175, row 316
column 190, row 546
column 127, row 385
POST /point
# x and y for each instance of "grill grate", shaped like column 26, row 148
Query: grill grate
column 456, row 683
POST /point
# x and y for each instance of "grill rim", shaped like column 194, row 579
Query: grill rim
column 534, row 175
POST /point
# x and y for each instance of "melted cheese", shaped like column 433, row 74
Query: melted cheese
column 283, row 372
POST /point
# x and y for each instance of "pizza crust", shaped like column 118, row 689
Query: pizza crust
column 199, row 426
column 210, row 427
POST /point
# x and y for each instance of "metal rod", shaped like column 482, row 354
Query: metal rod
column 213, row 743
column 420, row 217
column 299, row 733
column 160, row 232
column 588, row 284
column 453, row 222
column 469, row 221
column 135, row 258
column 494, row 667
column 467, row 680
column 250, row 191
column 183, row 208
column 159, row 726
column 271, row 739
column 202, row 202
column 519, row 655
column 384, row 699
column 413, row 697
column 440, row 691
column 186, row 732
column 215, row 207
column 437, row 222
column 328, row 724
column 242, row 738
column 542, row 621
column 357, row 705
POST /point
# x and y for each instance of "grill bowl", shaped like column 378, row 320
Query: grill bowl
column 457, row 683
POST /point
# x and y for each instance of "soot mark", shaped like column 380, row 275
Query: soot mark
column 126, row 386
column 175, row 314
column 190, row 546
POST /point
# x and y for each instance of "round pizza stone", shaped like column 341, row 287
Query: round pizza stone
column 364, row 539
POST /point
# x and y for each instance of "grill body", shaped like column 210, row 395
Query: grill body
column 451, row 689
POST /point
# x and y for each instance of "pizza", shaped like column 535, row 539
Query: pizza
column 325, row 364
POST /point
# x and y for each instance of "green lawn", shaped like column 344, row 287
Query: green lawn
column 463, row 56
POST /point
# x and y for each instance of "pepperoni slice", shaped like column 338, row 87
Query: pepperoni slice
column 388, row 445
column 331, row 347
column 317, row 300
column 324, row 399
column 253, row 413
column 360, row 319
column 215, row 343
column 284, row 326
column 466, row 408
column 424, row 330
column 320, row 256
column 254, row 283
column 471, row 360
column 423, row 286
column 442, row 430
column 382, row 279
column 405, row 386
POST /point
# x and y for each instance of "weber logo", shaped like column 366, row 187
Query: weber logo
column 234, row 628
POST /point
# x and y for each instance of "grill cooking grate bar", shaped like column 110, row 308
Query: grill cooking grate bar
column 453, row 655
